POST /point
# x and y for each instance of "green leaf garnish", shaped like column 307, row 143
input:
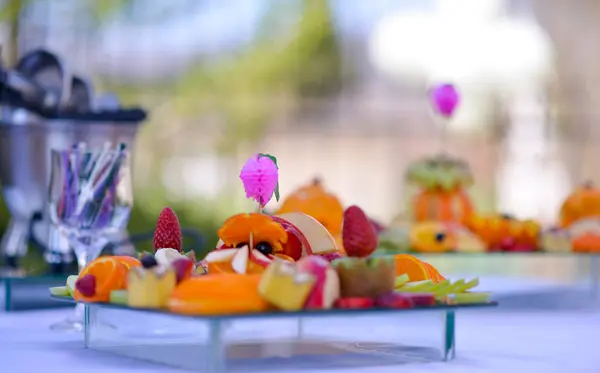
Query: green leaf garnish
column 271, row 157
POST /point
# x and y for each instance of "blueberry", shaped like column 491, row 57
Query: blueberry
column 240, row 245
column 264, row 248
column 148, row 261
column 440, row 237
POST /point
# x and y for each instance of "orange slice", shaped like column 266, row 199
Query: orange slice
column 218, row 294
column 237, row 230
column 412, row 266
column 128, row 261
column 434, row 274
column 110, row 274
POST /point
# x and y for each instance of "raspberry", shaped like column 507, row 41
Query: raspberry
column 86, row 285
column 358, row 234
column 168, row 231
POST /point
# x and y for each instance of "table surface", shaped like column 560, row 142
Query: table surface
column 487, row 341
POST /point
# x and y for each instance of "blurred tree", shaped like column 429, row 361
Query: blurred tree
column 11, row 13
column 249, row 88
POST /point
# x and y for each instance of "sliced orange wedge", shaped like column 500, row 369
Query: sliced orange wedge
column 433, row 273
column 110, row 274
column 411, row 266
column 128, row 261
column 241, row 228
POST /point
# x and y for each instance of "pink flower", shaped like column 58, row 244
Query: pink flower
column 260, row 177
column 445, row 99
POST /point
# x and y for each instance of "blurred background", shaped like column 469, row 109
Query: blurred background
column 334, row 88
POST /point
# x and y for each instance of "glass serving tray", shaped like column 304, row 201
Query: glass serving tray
column 29, row 293
column 275, row 341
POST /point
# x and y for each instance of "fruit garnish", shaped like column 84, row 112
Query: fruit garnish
column 471, row 297
column 433, row 272
column 354, row 303
column 394, row 300
column 239, row 263
column 59, row 291
column 418, row 286
column 365, row 277
column 218, row 294
column 237, row 230
column 183, row 268
column 440, row 172
column 118, row 297
column 314, row 200
column 327, row 283
column 462, row 287
column 315, row 238
column 165, row 257
column 422, row 299
column 401, row 280
column 168, row 231
column 358, row 234
column 412, row 266
column 128, row 261
column 150, row 288
column 432, row 236
column 86, row 285
column 201, row 269
column 71, row 280
column 284, row 286
column 109, row 273
column 149, row 261
column 219, row 261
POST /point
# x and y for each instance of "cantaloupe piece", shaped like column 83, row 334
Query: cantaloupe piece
column 218, row 294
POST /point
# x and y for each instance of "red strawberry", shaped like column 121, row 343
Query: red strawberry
column 358, row 234
column 168, row 231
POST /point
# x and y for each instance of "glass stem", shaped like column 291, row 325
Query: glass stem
column 87, row 249
column 78, row 314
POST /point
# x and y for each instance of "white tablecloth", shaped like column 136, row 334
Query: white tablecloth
column 487, row 341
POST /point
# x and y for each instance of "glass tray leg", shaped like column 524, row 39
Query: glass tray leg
column 449, row 344
column 300, row 329
column 217, row 345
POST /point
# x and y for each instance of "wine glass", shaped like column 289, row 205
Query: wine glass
column 89, row 198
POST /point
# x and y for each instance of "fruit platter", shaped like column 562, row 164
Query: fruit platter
column 282, row 265
column 444, row 219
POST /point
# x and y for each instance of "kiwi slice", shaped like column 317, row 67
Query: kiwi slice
column 464, row 286
column 470, row 298
column 60, row 291
column 418, row 286
column 401, row 280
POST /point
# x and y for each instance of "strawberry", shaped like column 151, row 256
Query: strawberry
column 168, row 231
column 358, row 234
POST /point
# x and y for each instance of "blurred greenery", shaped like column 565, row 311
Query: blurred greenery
column 303, row 62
